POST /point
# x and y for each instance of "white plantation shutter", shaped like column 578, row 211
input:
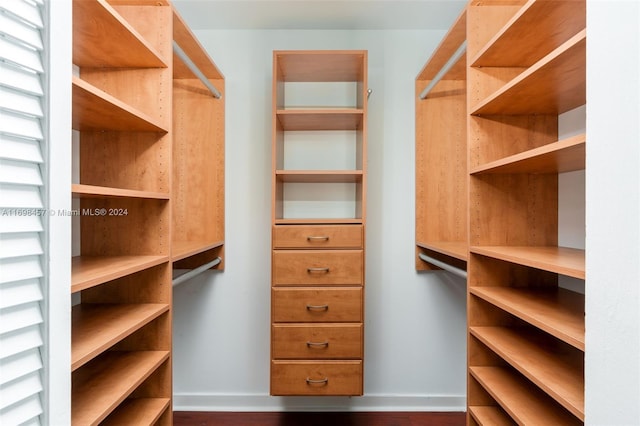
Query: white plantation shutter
column 22, row 211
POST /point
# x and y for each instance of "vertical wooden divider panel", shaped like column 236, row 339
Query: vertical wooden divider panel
column 150, row 190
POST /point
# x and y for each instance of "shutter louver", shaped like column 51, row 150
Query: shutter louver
column 22, row 206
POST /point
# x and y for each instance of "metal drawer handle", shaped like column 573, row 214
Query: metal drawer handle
column 318, row 238
column 323, row 270
column 317, row 307
column 317, row 344
column 324, row 381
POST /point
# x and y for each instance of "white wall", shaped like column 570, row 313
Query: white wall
column 415, row 343
column 612, row 365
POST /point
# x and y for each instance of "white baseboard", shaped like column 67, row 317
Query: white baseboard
column 259, row 402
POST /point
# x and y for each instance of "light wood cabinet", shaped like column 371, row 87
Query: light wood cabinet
column 133, row 192
column 318, row 226
column 526, row 65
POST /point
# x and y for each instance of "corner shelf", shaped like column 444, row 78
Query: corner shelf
column 98, row 394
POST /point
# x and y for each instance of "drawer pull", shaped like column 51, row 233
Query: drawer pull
column 317, row 344
column 323, row 270
column 322, row 382
column 317, row 307
column 318, row 238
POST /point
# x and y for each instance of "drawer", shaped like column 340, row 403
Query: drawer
column 317, row 267
column 316, row 304
column 316, row 378
column 322, row 341
column 317, row 236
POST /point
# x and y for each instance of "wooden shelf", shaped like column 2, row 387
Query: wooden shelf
column 320, row 66
column 99, row 29
column 89, row 271
column 115, row 378
column 318, row 221
column 320, row 118
column 183, row 249
column 558, row 312
column 554, row 22
column 555, row 84
column 96, row 110
column 319, row 176
column 138, row 411
column 489, row 415
column 525, row 403
column 92, row 191
column 456, row 35
column 457, row 249
column 560, row 376
column 561, row 260
column 566, row 155
column 97, row 327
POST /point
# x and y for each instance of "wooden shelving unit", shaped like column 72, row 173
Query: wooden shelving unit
column 526, row 339
column 150, row 192
column 441, row 155
column 318, row 256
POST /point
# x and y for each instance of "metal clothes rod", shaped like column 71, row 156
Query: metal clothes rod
column 456, row 271
column 194, row 69
column 445, row 69
column 192, row 273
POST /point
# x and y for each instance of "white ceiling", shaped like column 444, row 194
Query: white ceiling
column 319, row 14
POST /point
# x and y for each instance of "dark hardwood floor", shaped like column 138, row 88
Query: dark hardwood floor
column 189, row 418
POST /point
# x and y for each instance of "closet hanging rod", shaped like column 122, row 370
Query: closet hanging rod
column 452, row 269
column 192, row 273
column 445, row 69
column 194, row 69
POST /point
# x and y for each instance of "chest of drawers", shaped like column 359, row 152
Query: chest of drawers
column 317, row 310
